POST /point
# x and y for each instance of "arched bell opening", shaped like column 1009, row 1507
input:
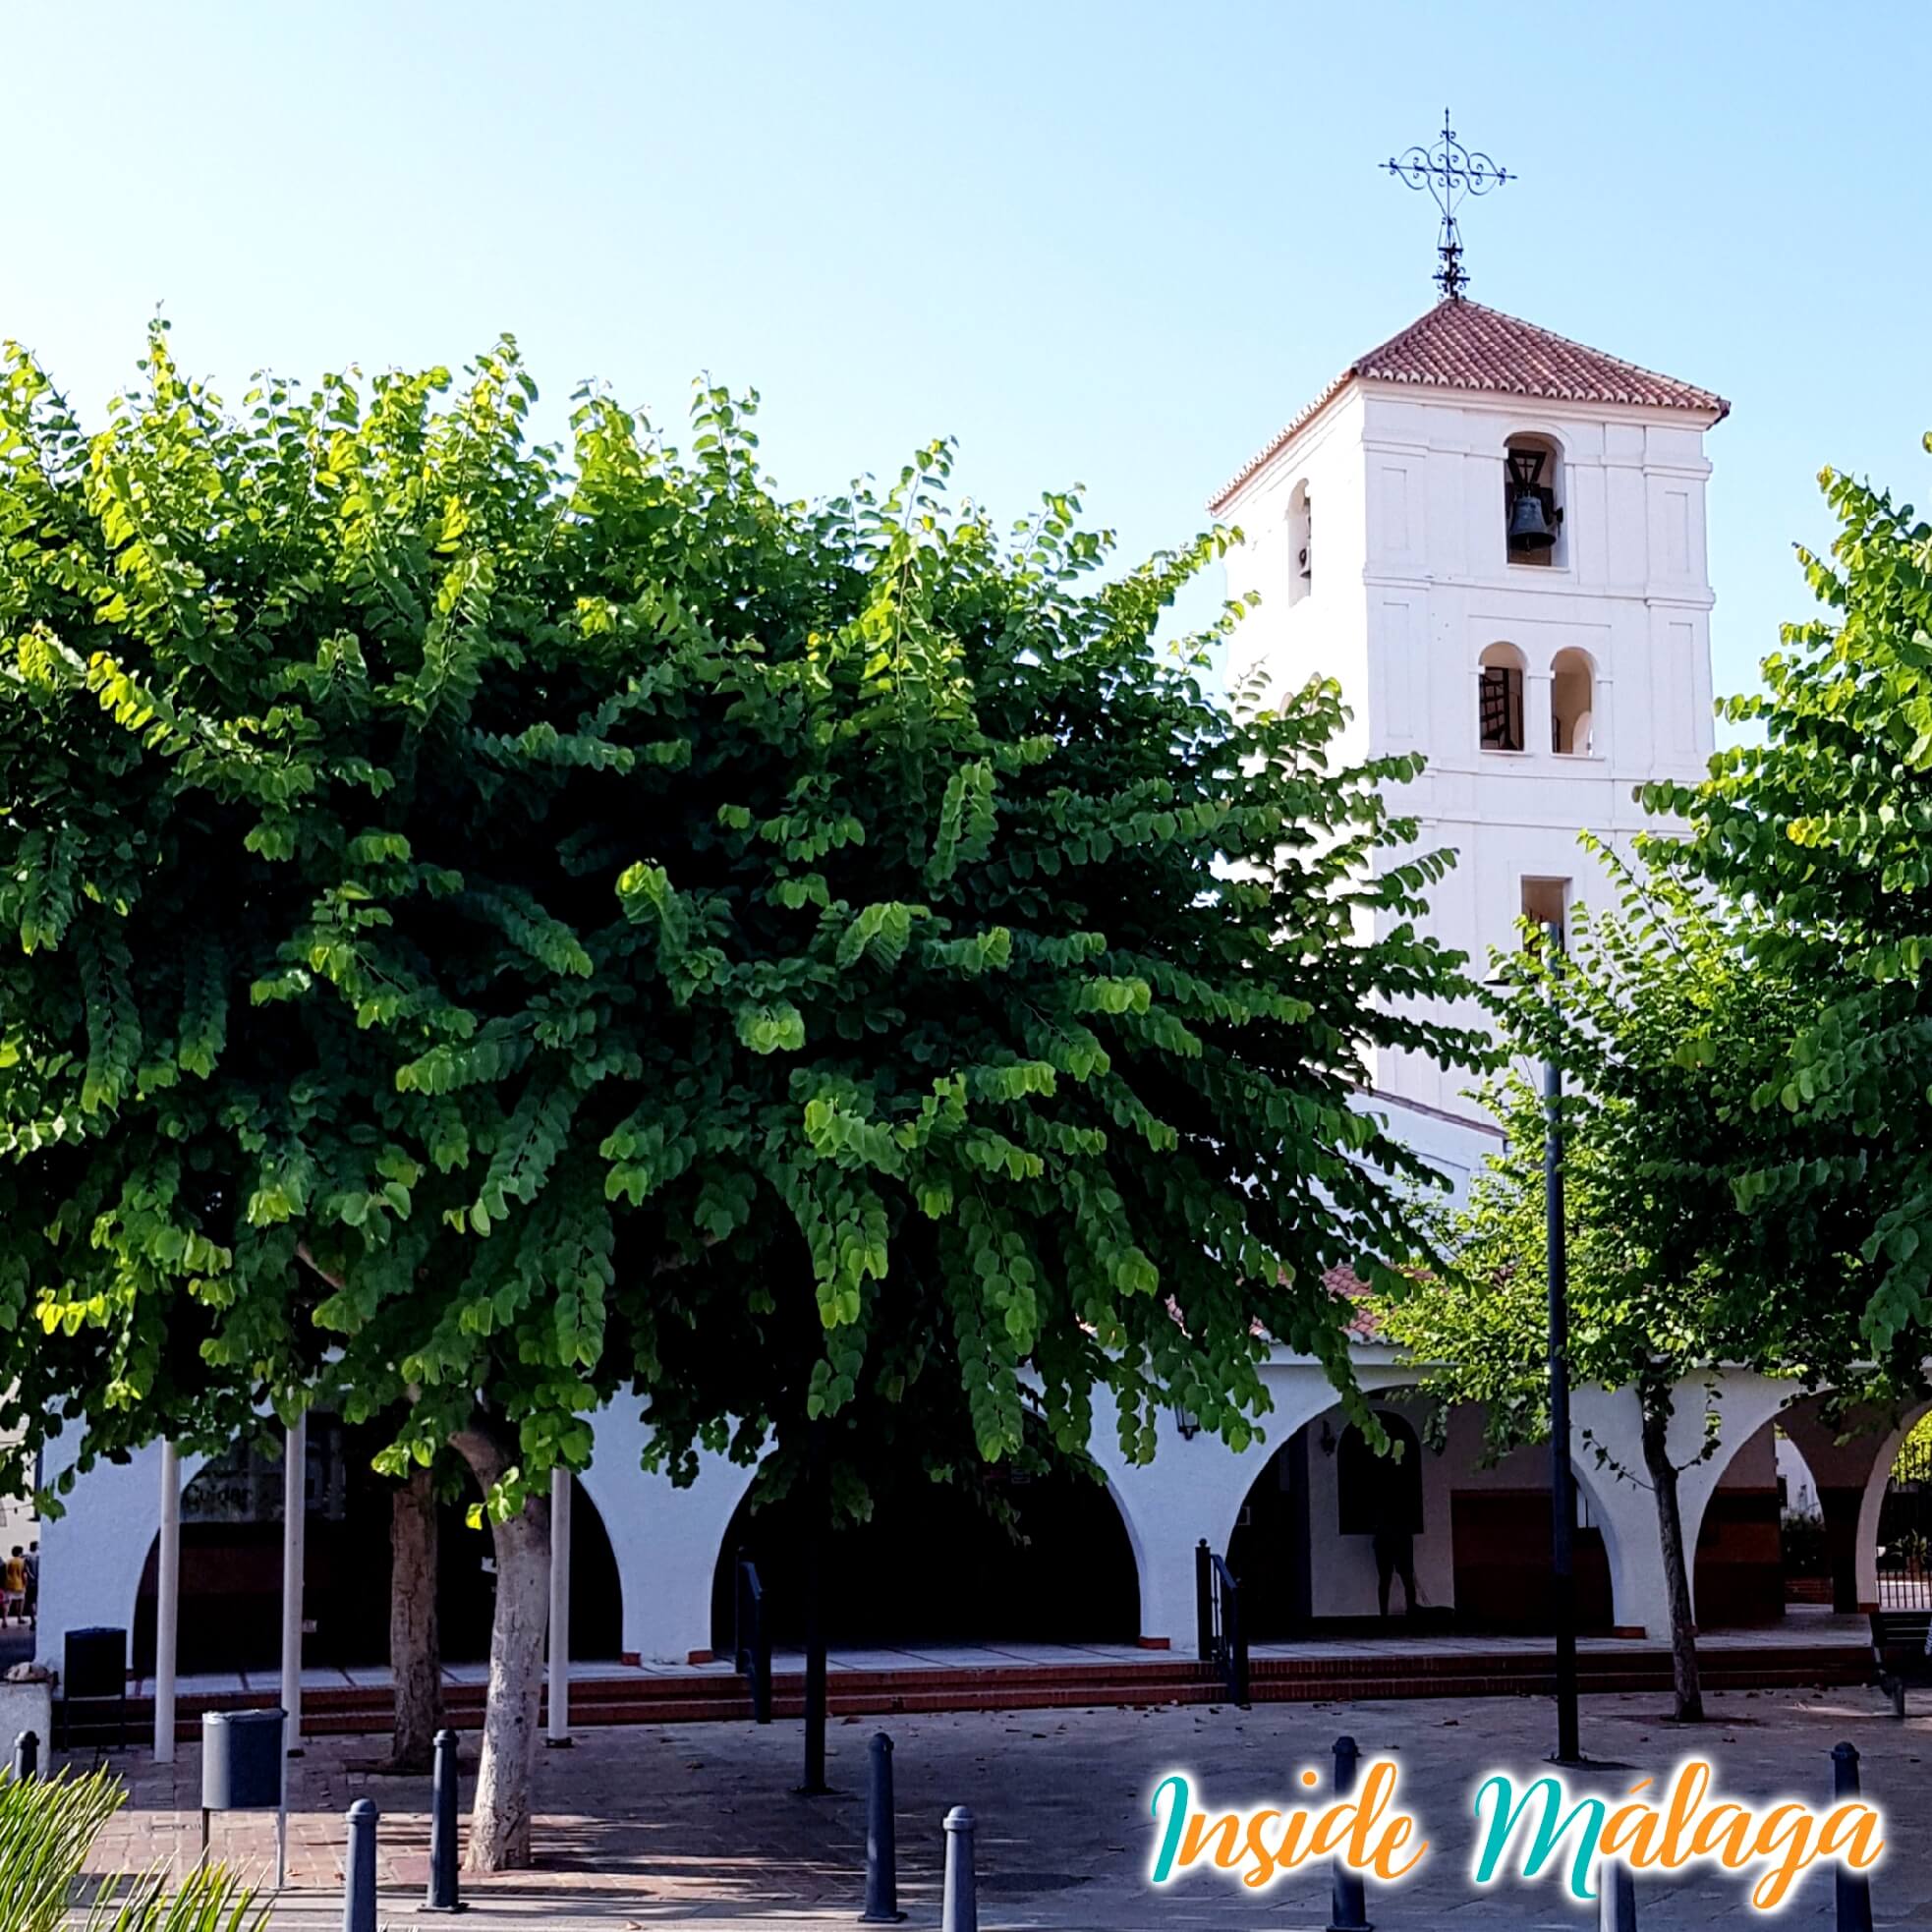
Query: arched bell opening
column 1533, row 491
column 1301, row 542
column 1500, row 685
column 933, row 1567
column 1572, row 705
column 231, row 1566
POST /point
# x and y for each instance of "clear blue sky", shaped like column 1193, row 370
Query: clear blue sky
column 1117, row 244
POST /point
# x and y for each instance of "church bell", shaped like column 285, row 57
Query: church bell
column 1533, row 512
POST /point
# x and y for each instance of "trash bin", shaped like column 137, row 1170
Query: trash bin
column 94, row 1662
column 242, row 1760
column 242, row 1764
column 93, row 1674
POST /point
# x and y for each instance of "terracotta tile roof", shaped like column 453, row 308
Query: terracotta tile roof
column 1462, row 345
column 1364, row 1323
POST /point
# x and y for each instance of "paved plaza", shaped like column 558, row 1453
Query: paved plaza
column 696, row 1825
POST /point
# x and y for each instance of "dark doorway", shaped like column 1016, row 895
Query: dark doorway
column 231, row 1567
column 1268, row 1550
column 932, row 1566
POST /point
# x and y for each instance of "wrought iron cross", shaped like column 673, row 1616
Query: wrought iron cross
column 1451, row 174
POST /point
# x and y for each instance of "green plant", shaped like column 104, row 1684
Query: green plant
column 1807, row 1552
column 1913, row 1461
column 1909, row 1551
column 47, row 1827
column 47, row 1830
column 209, row 1898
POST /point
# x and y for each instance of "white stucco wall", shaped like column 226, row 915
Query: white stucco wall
column 1412, row 581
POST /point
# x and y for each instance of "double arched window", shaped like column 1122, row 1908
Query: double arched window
column 1501, row 711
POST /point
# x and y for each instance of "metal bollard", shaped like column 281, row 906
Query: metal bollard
column 1348, row 1905
column 27, row 1757
column 960, row 1909
column 359, row 1869
column 1617, row 1896
column 1853, row 1889
column 881, row 1841
column 441, row 1895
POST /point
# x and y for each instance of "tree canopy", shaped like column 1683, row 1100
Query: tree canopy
column 500, row 927
column 1820, row 824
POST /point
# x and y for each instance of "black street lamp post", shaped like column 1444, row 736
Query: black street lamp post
column 1563, row 1478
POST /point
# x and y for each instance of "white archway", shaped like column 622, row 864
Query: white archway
column 1874, row 1501
column 1626, row 1512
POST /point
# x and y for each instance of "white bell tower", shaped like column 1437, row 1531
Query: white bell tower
column 1494, row 539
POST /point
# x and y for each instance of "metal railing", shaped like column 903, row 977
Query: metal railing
column 751, row 1638
column 1905, row 1531
column 1222, row 1642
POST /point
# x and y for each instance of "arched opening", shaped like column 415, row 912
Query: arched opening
column 1500, row 698
column 1301, row 542
column 1572, row 705
column 231, row 1566
column 1904, row 1524
column 1738, row 1567
column 1803, row 1538
column 1533, row 492
column 1267, row 1549
column 1500, row 1521
column 1304, row 1544
column 932, row 1565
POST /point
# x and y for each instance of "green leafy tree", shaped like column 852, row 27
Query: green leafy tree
column 1821, row 827
column 501, row 932
column 1666, row 1027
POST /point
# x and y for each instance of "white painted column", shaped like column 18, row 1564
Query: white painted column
column 559, row 1726
column 295, row 1499
column 167, row 1600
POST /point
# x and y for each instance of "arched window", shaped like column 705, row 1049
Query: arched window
column 1301, row 542
column 1377, row 1494
column 1533, row 502
column 1500, row 698
column 1572, row 704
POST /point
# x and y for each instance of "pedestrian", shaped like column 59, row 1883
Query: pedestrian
column 1394, row 1550
column 13, row 1586
column 32, row 1561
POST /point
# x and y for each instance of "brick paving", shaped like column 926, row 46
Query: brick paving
column 696, row 1825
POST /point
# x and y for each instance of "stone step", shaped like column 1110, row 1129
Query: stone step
column 713, row 1697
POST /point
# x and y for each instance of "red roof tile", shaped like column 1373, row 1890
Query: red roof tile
column 1462, row 345
column 1364, row 1321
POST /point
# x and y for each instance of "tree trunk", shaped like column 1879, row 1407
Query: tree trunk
column 415, row 1648
column 1655, row 1405
column 500, row 1815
